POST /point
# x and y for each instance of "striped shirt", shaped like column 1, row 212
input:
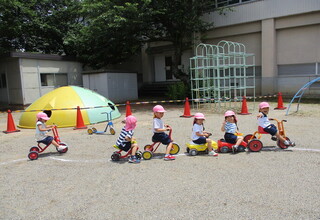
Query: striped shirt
column 121, row 141
column 230, row 127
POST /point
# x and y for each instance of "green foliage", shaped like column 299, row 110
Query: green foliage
column 178, row 91
column 100, row 32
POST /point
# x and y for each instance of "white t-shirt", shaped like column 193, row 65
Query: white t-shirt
column 264, row 121
column 157, row 123
column 196, row 128
column 40, row 135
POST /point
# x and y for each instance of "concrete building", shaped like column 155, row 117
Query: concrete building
column 25, row 77
column 284, row 35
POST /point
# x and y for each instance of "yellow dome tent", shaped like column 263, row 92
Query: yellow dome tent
column 63, row 102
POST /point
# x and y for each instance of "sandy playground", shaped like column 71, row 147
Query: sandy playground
column 85, row 184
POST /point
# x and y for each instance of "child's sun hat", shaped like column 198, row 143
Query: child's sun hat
column 230, row 113
column 158, row 108
column 131, row 123
column 42, row 115
column 199, row 116
column 264, row 105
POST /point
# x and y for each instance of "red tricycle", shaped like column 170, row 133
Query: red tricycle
column 150, row 149
column 225, row 147
column 116, row 156
column 253, row 140
column 36, row 150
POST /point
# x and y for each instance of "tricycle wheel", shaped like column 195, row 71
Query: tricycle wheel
column 64, row 150
column 148, row 147
column 34, row 148
column 175, row 148
column 248, row 137
column 115, row 156
column 193, row 152
column 255, row 145
column 33, row 155
column 241, row 148
column 147, row 155
column 224, row 149
column 112, row 131
column 281, row 144
column 90, row 131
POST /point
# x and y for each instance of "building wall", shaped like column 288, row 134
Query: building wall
column 13, row 93
column 32, row 68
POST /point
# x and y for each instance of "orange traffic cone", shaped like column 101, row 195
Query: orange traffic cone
column 128, row 109
column 80, row 123
column 244, row 108
column 186, row 113
column 10, row 124
column 280, row 102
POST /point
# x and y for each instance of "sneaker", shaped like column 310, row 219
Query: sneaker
column 134, row 160
column 169, row 157
column 61, row 147
column 274, row 138
column 212, row 153
column 292, row 144
column 234, row 149
column 287, row 143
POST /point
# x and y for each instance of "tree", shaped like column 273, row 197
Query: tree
column 38, row 25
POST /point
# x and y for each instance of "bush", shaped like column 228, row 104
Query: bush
column 178, row 91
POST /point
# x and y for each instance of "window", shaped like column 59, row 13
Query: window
column 54, row 79
column 3, row 81
column 224, row 3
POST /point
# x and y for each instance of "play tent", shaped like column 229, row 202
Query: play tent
column 63, row 102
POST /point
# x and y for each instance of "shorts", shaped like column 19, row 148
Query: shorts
column 47, row 141
column 230, row 138
column 161, row 137
column 200, row 140
column 126, row 147
column 271, row 129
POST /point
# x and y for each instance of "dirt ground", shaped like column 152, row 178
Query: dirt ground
column 85, row 184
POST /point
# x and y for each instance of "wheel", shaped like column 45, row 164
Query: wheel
column 34, row 148
column 175, row 148
column 64, row 150
column 115, row 156
column 147, row 155
column 187, row 149
column 255, row 145
column 193, row 152
column 33, row 155
column 94, row 130
column 148, row 147
column 139, row 155
column 112, row 131
column 224, row 149
column 248, row 137
column 241, row 148
column 282, row 145
column 90, row 131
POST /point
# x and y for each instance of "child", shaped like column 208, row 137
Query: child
column 264, row 122
column 126, row 141
column 42, row 129
column 199, row 136
column 159, row 131
column 230, row 127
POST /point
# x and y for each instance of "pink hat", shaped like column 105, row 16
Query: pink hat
column 230, row 113
column 199, row 116
column 264, row 105
column 131, row 123
column 158, row 108
column 42, row 115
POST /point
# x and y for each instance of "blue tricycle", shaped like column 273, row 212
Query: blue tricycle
column 109, row 124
